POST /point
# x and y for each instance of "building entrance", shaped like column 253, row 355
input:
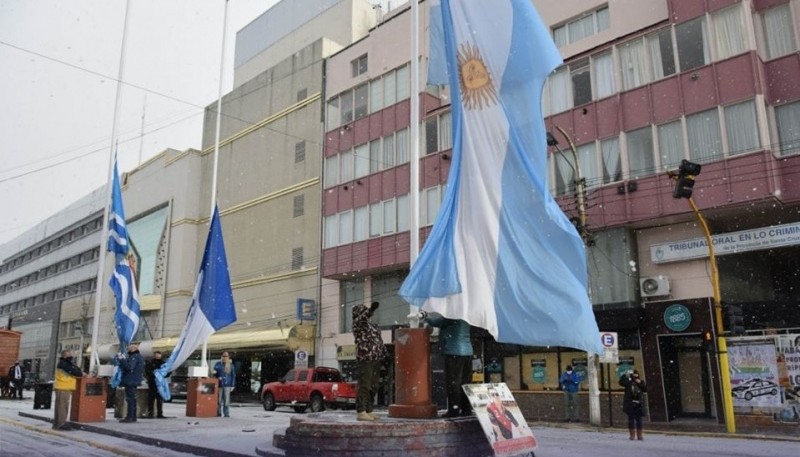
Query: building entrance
column 686, row 369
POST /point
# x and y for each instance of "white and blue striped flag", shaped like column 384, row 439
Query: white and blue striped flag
column 212, row 306
column 123, row 280
column 501, row 255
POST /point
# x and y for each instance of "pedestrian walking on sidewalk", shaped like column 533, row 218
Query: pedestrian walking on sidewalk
column 225, row 371
column 570, row 383
column 370, row 353
column 154, row 402
column 632, row 403
column 66, row 381
column 132, row 368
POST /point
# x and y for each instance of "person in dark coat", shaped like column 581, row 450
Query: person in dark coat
column 632, row 403
column 17, row 376
column 154, row 401
column 456, row 346
column 132, row 368
column 370, row 352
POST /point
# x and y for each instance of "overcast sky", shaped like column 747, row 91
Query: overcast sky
column 60, row 61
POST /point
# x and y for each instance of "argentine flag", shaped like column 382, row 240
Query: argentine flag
column 212, row 306
column 123, row 280
column 502, row 255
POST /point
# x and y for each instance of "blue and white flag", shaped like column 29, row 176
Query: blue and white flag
column 212, row 306
column 123, row 280
column 502, row 255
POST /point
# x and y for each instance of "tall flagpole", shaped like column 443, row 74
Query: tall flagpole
column 414, row 132
column 204, row 351
column 93, row 361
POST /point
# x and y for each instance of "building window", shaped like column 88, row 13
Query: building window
column 670, row 144
column 388, row 151
column 299, row 151
column 297, row 258
column 331, row 170
column 431, row 135
column 633, row 63
column 779, row 33
column 692, row 44
column 361, row 223
column 559, row 86
column 347, row 107
column 331, row 231
column 564, row 171
column 582, row 27
column 581, row 82
column 302, row 94
column 299, row 206
column 603, row 69
column 361, row 102
column 334, row 114
column 351, row 293
column 612, row 165
column 787, row 118
column 346, row 166
column 705, row 141
column 729, row 35
column 375, row 162
column 359, row 65
column 640, row 152
column 375, row 219
column 662, row 54
column 346, row 227
column 402, row 213
column 401, row 146
column 741, row 127
column 445, row 131
column 389, row 217
column 361, row 156
column 146, row 234
column 587, row 157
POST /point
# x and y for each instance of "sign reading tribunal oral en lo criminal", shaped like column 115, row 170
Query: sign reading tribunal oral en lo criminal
column 727, row 243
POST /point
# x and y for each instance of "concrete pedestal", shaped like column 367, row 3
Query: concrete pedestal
column 89, row 400
column 338, row 433
column 412, row 349
column 121, row 406
column 202, row 397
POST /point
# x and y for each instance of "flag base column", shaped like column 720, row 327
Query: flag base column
column 89, row 400
column 412, row 347
column 201, row 397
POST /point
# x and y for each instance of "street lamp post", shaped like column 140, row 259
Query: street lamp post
column 580, row 188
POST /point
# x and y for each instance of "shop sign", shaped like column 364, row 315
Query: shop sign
column 346, row 352
column 677, row 317
column 727, row 243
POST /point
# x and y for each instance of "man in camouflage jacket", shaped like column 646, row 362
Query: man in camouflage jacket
column 370, row 353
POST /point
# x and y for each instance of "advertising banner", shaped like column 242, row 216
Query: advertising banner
column 754, row 375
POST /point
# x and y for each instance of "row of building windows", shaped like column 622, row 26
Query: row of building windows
column 387, row 152
column 702, row 137
column 72, row 290
column 62, row 266
column 368, row 98
column 663, row 53
column 56, row 242
column 74, row 329
column 380, row 218
column 588, row 24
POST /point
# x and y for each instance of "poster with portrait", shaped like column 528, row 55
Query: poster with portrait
column 501, row 419
column 788, row 349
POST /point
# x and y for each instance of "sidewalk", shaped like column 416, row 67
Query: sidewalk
column 250, row 430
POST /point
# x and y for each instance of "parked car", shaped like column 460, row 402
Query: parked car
column 315, row 388
column 754, row 388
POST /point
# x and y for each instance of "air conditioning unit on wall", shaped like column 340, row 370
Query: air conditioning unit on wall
column 656, row 286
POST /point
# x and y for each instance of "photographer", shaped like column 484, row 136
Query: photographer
column 632, row 402
column 370, row 352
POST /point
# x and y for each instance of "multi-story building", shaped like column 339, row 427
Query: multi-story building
column 644, row 85
column 48, row 277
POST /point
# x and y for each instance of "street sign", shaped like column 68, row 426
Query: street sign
column 610, row 347
column 301, row 359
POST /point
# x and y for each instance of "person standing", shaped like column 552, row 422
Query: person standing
column 370, row 352
column 570, row 384
column 456, row 346
column 225, row 371
column 132, row 371
column 154, row 402
column 17, row 376
column 66, row 381
column 632, row 402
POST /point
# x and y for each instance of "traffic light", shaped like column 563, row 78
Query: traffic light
column 708, row 341
column 687, row 172
column 735, row 319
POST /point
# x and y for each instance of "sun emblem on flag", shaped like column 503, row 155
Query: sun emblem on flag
column 477, row 89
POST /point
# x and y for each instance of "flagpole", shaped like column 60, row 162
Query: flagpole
column 414, row 133
column 104, row 237
column 204, row 351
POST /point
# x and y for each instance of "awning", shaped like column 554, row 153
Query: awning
column 293, row 338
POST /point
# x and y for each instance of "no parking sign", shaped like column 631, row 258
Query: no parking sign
column 610, row 347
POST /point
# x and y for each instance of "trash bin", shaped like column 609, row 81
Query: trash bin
column 43, row 395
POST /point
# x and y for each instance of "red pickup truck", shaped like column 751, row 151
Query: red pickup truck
column 317, row 388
